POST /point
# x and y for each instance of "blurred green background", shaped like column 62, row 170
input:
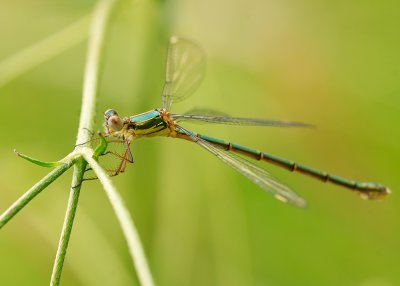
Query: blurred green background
column 335, row 64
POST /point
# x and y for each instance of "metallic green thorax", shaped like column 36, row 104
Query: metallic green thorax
column 147, row 124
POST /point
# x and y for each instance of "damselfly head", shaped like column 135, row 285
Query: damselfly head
column 113, row 122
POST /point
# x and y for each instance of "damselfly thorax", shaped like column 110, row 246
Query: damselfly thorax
column 155, row 122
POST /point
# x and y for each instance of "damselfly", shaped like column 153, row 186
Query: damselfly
column 185, row 68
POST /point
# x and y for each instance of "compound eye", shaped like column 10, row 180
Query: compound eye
column 114, row 123
column 109, row 113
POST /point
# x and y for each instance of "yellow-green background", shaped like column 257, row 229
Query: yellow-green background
column 332, row 63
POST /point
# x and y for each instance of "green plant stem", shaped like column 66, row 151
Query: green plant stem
column 93, row 61
column 128, row 227
column 97, row 32
column 33, row 192
column 79, row 170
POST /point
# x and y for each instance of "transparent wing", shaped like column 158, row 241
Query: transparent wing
column 237, row 120
column 185, row 70
column 206, row 111
column 114, row 160
column 258, row 176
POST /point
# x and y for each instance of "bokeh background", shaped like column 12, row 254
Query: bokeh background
column 335, row 64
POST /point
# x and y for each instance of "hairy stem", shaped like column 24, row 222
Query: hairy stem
column 79, row 170
column 93, row 62
column 128, row 227
column 91, row 78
